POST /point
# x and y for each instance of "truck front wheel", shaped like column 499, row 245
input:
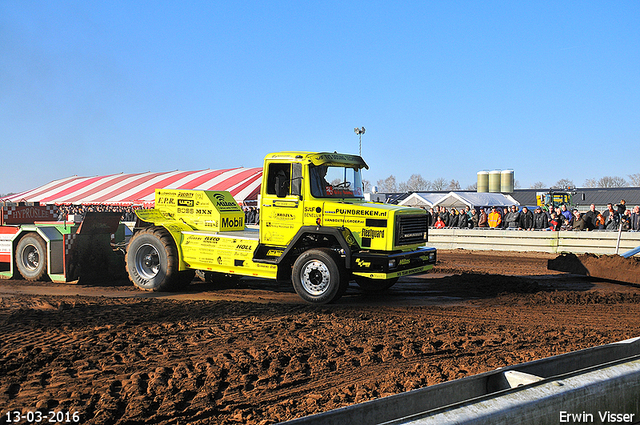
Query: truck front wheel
column 152, row 260
column 31, row 257
column 318, row 277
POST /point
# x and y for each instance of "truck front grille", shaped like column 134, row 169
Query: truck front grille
column 411, row 229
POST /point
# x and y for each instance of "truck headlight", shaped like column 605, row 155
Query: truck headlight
column 392, row 264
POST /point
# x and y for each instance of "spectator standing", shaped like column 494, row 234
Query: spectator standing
column 526, row 219
column 540, row 220
column 635, row 219
column 494, row 218
column 474, row 220
column 512, row 218
column 467, row 211
column 453, row 218
column 554, row 222
column 579, row 223
column 611, row 219
column 439, row 223
column 625, row 220
column 463, row 220
column 609, row 212
column 444, row 215
column 483, row 219
column 566, row 223
column 503, row 213
column 566, row 213
column 621, row 207
column 590, row 217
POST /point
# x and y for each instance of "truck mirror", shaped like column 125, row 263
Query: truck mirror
column 282, row 186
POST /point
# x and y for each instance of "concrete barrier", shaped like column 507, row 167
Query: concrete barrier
column 595, row 242
column 595, row 385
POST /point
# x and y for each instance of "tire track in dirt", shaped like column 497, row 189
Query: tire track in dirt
column 165, row 361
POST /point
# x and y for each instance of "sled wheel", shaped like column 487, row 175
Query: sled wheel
column 152, row 260
column 374, row 285
column 31, row 257
column 319, row 277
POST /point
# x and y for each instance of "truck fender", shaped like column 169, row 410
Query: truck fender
column 153, row 217
column 341, row 235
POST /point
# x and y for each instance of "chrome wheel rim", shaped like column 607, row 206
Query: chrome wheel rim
column 31, row 257
column 315, row 277
column 148, row 261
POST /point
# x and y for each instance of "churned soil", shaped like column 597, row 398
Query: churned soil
column 251, row 352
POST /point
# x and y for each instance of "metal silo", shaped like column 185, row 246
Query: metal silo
column 506, row 181
column 483, row 181
column 494, row 181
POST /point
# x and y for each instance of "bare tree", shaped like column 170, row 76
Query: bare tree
column 591, row 183
column 609, row 181
column 538, row 185
column 516, row 184
column 634, row 179
column 415, row 184
column 366, row 185
column 453, row 185
column 472, row 186
column 606, row 182
column 563, row 184
column 387, row 185
column 438, row 184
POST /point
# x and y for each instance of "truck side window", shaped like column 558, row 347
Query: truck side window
column 296, row 180
column 281, row 170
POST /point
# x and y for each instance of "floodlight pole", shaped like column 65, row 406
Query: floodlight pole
column 359, row 132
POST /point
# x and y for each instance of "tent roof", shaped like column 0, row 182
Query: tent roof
column 458, row 199
column 139, row 189
column 422, row 199
column 475, row 199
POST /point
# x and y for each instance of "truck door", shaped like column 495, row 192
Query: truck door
column 281, row 209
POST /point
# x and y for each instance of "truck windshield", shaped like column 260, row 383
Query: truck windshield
column 335, row 182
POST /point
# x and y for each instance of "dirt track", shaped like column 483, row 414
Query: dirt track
column 252, row 352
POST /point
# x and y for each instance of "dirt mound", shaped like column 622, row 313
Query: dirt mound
column 610, row 267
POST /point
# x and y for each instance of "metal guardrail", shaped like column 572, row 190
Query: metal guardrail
column 595, row 242
column 591, row 384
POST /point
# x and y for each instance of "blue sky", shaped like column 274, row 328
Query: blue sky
column 444, row 89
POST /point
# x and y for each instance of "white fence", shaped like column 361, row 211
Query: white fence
column 596, row 242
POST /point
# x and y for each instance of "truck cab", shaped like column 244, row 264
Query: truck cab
column 316, row 229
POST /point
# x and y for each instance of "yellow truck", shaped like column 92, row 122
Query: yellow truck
column 316, row 229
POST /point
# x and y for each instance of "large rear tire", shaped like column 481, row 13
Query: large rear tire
column 31, row 257
column 319, row 277
column 152, row 260
column 374, row 285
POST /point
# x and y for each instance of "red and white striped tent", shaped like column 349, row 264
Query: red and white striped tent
column 139, row 189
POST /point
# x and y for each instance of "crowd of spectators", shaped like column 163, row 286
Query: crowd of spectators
column 514, row 217
column 128, row 214
column 251, row 215
column 542, row 218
